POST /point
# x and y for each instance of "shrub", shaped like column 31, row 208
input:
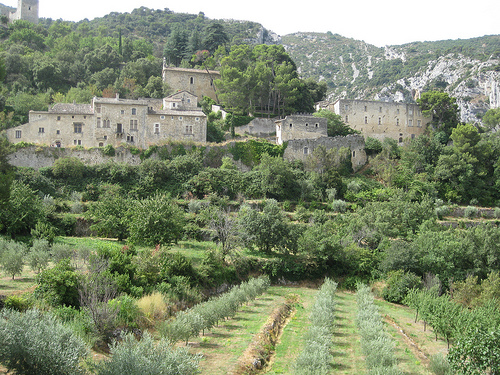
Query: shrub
column 153, row 308
column 59, row 285
column 439, row 365
column 36, row 343
column 143, row 357
column 398, row 285
column 470, row 212
column 16, row 302
column 338, row 205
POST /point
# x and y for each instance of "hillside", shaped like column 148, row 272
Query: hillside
column 468, row 69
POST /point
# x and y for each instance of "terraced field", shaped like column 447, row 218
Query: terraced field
column 230, row 348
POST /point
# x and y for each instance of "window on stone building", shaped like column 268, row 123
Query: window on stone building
column 410, row 122
column 119, row 128
column 98, row 108
column 191, row 80
column 413, row 136
column 106, row 124
column 410, row 111
column 380, row 120
column 77, row 127
column 98, row 122
column 397, row 122
column 366, row 119
column 77, row 142
column 354, row 154
column 157, row 129
column 346, row 107
column 105, row 137
column 419, row 123
column 306, row 150
column 41, row 130
column 134, row 111
column 18, row 133
column 346, row 119
column 180, row 118
column 133, row 124
column 122, row 112
column 101, row 144
column 162, row 117
column 189, row 129
column 380, row 109
column 290, row 126
column 58, row 118
column 130, row 138
column 400, row 139
column 58, row 132
column 366, row 108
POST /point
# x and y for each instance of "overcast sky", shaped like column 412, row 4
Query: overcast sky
column 383, row 22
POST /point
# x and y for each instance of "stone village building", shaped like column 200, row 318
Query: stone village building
column 114, row 121
column 304, row 133
column 380, row 120
column 26, row 10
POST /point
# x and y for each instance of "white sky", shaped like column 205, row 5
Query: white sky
column 382, row 22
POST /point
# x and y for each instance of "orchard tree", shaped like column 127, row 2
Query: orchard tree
column 155, row 221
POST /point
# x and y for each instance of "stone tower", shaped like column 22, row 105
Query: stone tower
column 26, row 10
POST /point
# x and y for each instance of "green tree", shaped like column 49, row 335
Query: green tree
column 109, row 215
column 12, row 258
column 491, row 118
column 155, row 221
column 335, row 125
column 215, row 36
column 441, row 108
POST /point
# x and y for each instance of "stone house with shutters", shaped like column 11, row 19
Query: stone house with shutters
column 115, row 121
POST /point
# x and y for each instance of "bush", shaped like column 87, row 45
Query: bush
column 143, row 357
column 470, row 212
column 37, row 343
column 338, row 205
column 439, row 365
column 16, row 302
column 59, row 285
column 398, row 285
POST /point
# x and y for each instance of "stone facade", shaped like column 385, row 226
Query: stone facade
column 300, row 127
column 301, row 149
column 304, row 133
column 381, row 120
column 114, row 121
column 196, row 81
column 26, row 10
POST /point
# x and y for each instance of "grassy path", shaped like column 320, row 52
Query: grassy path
column 223, row 347
column 292, row 338
column 347, row 355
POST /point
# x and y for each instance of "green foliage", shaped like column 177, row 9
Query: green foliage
column 315, row 357
column 145, row 357
column 68, row 168
column 335, row 126
column 108, row 150
column 376, row 345
column 155, row 220
column 37, row 343
column 12, row 258
column 59, row 285
column 442, row 109
column 398, row 285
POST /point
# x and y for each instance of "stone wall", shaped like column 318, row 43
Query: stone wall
column 40, row 157
column 301, row 149
column 258, row 127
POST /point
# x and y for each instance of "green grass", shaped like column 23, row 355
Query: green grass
column 21, row 283
column 292, row 338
